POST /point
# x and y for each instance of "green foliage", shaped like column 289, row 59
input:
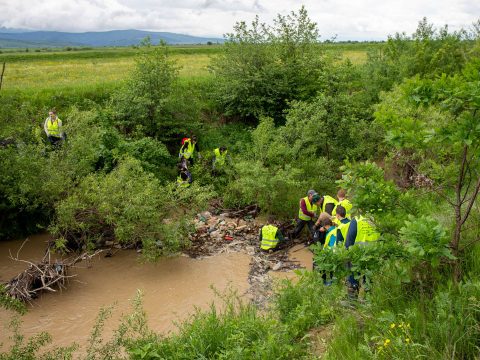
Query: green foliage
column 274, row 191
column 364, row 260
column 133, row 327
column 435, row 126
column 238, row 332
column 444, row 327
column 115, row 201
column 429, row 52
column 263, row 67
column 33, row 348
column 9, row 303
column 126, row 205
column 426, row 240
column 140, row 104
column 306, row 304
column 381, row 199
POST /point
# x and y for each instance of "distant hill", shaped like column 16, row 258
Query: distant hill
column 104, row 38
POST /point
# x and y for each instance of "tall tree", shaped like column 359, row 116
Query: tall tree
column 264, row 67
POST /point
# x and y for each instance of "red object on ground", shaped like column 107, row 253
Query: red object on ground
column 228, row 238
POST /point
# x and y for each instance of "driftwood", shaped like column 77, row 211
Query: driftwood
column 47, row 275
column 251, row 210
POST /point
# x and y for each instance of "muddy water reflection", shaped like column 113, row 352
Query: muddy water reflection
column 172, row 288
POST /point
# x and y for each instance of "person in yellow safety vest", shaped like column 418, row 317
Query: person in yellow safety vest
column 53, row 128
column 184, row 178
column 307, row 213
column 219, row 157
column 342, row 200
column 331, row 234
column 320, row 233
column 187, row 150
column 327, row 204
column 270, row 236
column 330, row 243
column 343, row 223
column 360, row 232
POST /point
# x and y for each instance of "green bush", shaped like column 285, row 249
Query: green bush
column 33, row 348
column 263, row 67
column 306, row 304
column 238, row 332
column 139, row 105
column 127, row 205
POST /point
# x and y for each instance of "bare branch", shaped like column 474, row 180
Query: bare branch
column 471, row 202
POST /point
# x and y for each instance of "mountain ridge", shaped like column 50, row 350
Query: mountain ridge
column 96, row 38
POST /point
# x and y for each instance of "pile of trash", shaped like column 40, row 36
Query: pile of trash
column 221, row 233
column 239, row 231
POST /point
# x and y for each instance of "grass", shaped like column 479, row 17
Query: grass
column 37, row 71
column 41, row 74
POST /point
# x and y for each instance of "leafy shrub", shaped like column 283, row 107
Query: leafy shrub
column 275, row 192
column 9, row 303
column 126, row 205
column 238, row 332
column 306, row 304
column 263, row 67
column 426, row 240
column 140, row 104
column 33, row 348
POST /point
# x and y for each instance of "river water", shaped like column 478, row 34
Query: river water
column 172, row 288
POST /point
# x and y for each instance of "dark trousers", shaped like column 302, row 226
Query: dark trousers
column 54, row 140
column 319, row 237
column 300, row 225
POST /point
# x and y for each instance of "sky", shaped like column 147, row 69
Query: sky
column 345, row 20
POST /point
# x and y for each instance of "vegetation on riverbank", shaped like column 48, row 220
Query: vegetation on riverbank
column 293, row 117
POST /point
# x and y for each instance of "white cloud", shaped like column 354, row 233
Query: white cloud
column 360, row 19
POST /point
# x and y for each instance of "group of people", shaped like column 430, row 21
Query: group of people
column 330, row 224
column 188, row 151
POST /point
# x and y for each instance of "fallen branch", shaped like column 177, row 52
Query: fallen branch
column 43, row 276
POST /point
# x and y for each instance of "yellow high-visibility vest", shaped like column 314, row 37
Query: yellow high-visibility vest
column 269, row 240
column 182, row 183
column 220, row 158
column 327, row 199
column 344, row 229
column 53, row 127
column 346, row 204
column 328, row 238
column 366, row 233
column 310, row 207
column 187, row 149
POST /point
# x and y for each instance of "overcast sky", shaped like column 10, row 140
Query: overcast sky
column 349, row 19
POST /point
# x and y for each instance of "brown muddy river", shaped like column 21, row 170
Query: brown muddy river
column 172, row 288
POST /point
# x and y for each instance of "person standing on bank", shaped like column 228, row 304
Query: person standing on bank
column 307, row 213
column 188, row 149
column 53, row 128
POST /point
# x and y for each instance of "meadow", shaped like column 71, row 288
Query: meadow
column 52, row 69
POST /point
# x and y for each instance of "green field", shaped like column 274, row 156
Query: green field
column 41, row 70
